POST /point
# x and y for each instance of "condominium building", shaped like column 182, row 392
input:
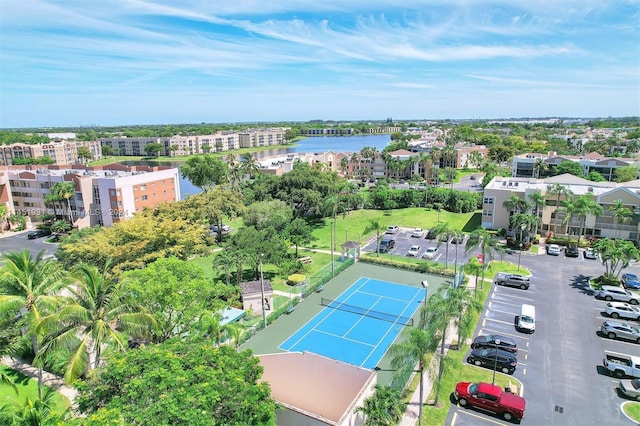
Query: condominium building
column 528, row 165
column 124, row 145
column 102, row 195
column 496, row 215
column 61, row 152
column 255, row 138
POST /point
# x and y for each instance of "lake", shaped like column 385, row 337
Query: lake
column 312, row 144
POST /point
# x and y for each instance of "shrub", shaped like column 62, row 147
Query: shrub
column 295, row 279
column 423, row 267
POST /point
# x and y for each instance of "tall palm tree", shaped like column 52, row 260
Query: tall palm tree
column 96, row 318
column 539, row 167
column 249, row 164
column 235, row 332
column 34, row 412
column 474, row 267
column 65, row 191
column 620, row 214
column 224, row 262
column 374, row 225
column 383, row 408
column 443, row 232
column 581, row 207
column 407, row 353
column 30, row 288
column 536, row 201
column 488, row 246
column 559, row 190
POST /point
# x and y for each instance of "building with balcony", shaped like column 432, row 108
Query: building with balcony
column 102, row 195
column 524, row 165
column 553, row 217
column 256, row 138
column 61, row 152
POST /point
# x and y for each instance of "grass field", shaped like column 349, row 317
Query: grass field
column 632, row 409
column 27, row 387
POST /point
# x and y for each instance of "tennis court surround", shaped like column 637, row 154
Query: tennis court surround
column 339, row 333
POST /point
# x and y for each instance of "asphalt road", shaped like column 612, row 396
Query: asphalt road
column 559, row 365
column 19, row 242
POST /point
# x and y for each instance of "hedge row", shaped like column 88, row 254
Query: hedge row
column 422, row 267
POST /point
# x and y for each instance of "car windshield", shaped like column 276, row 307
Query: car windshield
column 526, row 319
column 635, row 383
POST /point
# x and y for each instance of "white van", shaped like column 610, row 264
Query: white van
column 527, row 318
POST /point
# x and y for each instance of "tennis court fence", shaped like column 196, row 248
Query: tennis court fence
column 384, row 316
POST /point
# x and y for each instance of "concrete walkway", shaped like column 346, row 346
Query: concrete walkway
column 410, row 417
column 48, row 379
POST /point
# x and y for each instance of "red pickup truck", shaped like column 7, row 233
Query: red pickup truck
column 492, row 398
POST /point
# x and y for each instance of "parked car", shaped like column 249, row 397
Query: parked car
column 430, row 253
column 492, row 398
column 387, row 244
column 417, row 233
column 553, row 250
column 486, row 357
column 630, row 281
column 457, row 240
column 492, row 340
column 512, row 280
column 621, row 365
column 610, row 292
column 392, row 229
column 620, row 330
column 572, row 251
column 622, row 310
column 38, row 233
column 431, row 234
column 590, row 253
column 630, row 388
column 413, row 251
column 225, row 228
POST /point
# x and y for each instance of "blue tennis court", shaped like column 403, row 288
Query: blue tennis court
column 359, row 326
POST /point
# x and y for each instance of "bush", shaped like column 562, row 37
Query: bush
column 423, row 267
column 295, row 279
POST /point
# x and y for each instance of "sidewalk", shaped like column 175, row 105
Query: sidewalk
column 410, row 417
column 48, row 379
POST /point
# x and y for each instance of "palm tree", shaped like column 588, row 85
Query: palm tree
column 344, row 165
column 559, row 190
column 374, row 225
column 249, row 164
column 64, row 191
column 443, row 232
column 224, row 262
column 406, row 354
column 98, row 314
column 208, row 325
column 474, row 267
column 481, row 239
column 34, row 412
column 235, row 332
column 539, row 167
column 620, row 213
column 30, row 287
column 536, row 201
column 384, row 407
column 581, row 207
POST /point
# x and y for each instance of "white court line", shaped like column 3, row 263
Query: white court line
column 343, row 337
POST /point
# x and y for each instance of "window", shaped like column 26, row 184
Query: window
column 488, row 200
column 143, row 187
column 112, row 192
column 145, row 197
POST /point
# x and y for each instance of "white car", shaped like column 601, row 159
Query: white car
column 622, row 310
column 413, row 251
column 430, row 253
column 631, row 388
column 553, row 250
column 417, row 233
column 392, row 229
column 610, row 292
column 589, row 253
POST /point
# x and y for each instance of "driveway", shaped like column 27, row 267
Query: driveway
column 10, row 242
column 560, row 363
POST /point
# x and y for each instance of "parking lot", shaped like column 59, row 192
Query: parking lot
column 560, row 364
column 19, row 241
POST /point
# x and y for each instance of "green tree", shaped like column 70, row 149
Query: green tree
column 263, row 214
column 410, row 352
column 64, row 191
column 558, row 190
column 29, row 291
column 209, row 386
column 481, row 239
column 33, row 412
column 205, row 171
column 625, row 174
column 153, row 149
column 176, row 291
column 570, row 167
column 383, row 408
column 594, row 176
column 374, row 225
column 235, row 331
column 224, row 262
column 536, row 201
column 250, row 165
column 581, row 207
column 299, row 232
column 501, row 153
column 444, row 232
column 214, row 206
column 84, row 154
column 60, row 227
column 620, row 213
column 95, row 320
column 615, row 255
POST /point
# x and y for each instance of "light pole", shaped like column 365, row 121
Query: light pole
column 495, row 363
column 264, row 312
column 425, row 284
column 519, row 255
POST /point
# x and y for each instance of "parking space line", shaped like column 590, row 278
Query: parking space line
column 624, row 342
column 510, row 304
column 503, row 312
column 477, row 416
column 506, row 334
column 516, row 297
column 495, row 320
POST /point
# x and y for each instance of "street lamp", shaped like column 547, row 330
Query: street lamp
column 264, row 312
column 495, row 363
column 519, row 254
column 425, row 284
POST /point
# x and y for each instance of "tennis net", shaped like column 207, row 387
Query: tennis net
column 384, row 316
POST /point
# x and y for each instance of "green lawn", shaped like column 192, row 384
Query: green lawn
column 632, row 409
column 27, row 387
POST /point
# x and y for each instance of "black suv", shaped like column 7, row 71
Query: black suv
column 387, row 244
column 492, row 340
column 38, row 233
column 572, row 251
column 487, row 357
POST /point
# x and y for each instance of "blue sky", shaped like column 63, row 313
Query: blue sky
column 108, row 62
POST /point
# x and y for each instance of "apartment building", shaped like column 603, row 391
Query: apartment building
column 256, row 138
column 103, row 195
column 328, row 132
column 524, row 165
column 61, row 152
column 495, row 215
column 124, row 145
